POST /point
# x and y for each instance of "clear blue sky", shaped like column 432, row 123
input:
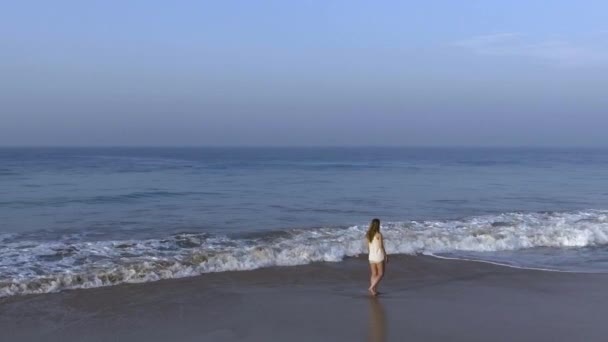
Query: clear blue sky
column 326, row 72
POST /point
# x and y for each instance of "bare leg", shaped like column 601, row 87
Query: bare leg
column 373, row 275
column 379, row 275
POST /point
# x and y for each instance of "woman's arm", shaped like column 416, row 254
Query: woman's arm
column 383, row 250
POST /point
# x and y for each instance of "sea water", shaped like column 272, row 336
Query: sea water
column 89, row 217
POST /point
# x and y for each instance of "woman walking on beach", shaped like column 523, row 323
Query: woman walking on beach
column 377, row 255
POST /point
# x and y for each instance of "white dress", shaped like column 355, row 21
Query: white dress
column 376, row 254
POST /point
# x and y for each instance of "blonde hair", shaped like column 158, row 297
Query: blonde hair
column 374, row 227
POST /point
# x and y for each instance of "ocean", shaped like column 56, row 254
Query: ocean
column 90, row 217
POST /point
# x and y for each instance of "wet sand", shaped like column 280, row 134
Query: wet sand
column 423, row 299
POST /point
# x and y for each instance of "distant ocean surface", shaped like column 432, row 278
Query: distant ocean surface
column 89, row 217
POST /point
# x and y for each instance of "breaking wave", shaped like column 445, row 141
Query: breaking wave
column 28, row 266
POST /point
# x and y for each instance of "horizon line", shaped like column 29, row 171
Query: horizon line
column 306, row 146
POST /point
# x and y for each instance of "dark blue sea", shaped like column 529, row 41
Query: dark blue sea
column 89, row 217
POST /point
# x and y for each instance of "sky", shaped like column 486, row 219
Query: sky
column 303, row 73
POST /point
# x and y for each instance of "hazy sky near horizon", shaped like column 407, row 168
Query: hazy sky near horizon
column 340, row 72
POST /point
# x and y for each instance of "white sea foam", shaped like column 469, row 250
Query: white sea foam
column 28, row 266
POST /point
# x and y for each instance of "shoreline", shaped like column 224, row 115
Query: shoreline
column 422, row 298
column 71, row 260
column 418, row 255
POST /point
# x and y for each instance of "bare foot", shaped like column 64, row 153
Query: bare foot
column 372, row 292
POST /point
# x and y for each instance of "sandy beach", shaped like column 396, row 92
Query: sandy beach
column 423, row 299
